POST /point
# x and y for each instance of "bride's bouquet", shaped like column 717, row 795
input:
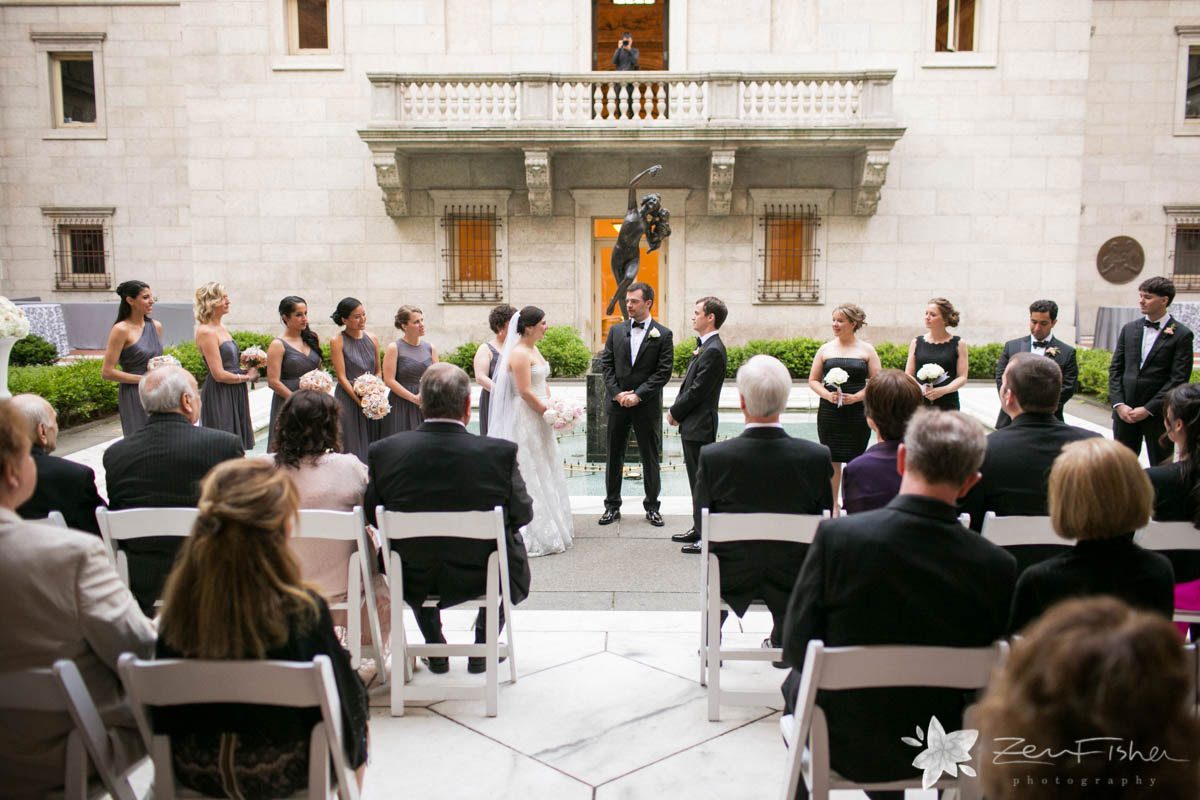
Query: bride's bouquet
column 317, row 380
column 373, row 392
column 162, row 361
column 561, row 415
column 835, row 378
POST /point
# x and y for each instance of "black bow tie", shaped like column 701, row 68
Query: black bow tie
column 1041, row 343
column 1150, row 324
column 643, row 325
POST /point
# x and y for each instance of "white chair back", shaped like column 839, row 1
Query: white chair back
column 1172, row 536
column 54, row 518
column 140, row 523
column 1019, row 531
column 61, row 689
column 277, row 683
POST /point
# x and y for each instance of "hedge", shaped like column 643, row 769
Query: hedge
column 569, row 357
column 33, row 351
column 76, row 391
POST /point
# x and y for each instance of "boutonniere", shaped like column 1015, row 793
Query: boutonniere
column 1169, row 330
column 696, row 352
column 654, row 334
column 1052, row 351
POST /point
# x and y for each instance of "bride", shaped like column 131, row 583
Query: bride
column 517, row 404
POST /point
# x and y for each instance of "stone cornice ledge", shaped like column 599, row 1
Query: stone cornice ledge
column 4, row 3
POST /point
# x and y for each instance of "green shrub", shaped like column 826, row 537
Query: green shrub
column 892, row 355
column 33, row 351
column 190, row 359
column 1093, row 372
column 982, row 360
column 683, row 354
column 569, row 357
column 76, row 391
column 462, row 356
column 248, row 339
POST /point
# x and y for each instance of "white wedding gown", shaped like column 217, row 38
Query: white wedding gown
column 552, row 528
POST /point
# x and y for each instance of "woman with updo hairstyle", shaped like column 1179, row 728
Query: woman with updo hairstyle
column 224, row 398
column 841, row 423
column 236, row 593
column 354, row 352
column 487, row 358
column 132, row 342
column 1091, row 670
column 296, row 352
column 937, row 346
column 404, row 362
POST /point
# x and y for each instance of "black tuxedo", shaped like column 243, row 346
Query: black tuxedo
column 905, row 574
column 762, row 471
column 442, row 467
column 1065, row 358
column 64, row 486
column 695, row 407
column 1168, row 364
column 646, row 377
column 161, row 466
column 1173, row 504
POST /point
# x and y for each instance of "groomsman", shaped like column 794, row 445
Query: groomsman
column 1153, row 356
column 1043, row 316
column 695, row 407
column 636, row 364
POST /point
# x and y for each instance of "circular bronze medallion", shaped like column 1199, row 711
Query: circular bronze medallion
column 1120, row 259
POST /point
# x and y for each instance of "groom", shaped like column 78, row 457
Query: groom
column 636, row 363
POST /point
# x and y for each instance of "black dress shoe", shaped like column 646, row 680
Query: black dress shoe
column 691, row 537
column 478, row 664
column 610, row 516
column 438, row 665
column 655, row 518
column 690, row 549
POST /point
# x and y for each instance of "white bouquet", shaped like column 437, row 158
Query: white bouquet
column 561, row 415
column 373, row 392
column 318, row 380
column 835, row 378
column 12, row 320
column 930, row 374
column 162, row 361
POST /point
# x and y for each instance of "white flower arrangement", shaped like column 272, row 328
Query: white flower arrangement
column 835, row 378
column 162, row 361
column 12, row 320
column 373, row 392
column 317, row 380
column 561, row 415
column 930, row 373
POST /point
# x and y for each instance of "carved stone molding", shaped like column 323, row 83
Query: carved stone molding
column 720, row 182
column 870, row 173
column 537, row 180
column 391, row 173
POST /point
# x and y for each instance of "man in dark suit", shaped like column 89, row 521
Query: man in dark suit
column 695, row 407
column 62, row 485
column 1153, row 355
column 905, row 574
column 161, row 466
column 441, row 467
column 1043, row 316
column 636, row 364
column 762, row 471
column 1017, row 465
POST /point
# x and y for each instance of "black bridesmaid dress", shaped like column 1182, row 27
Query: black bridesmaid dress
column 844, row 430
column 945, row 355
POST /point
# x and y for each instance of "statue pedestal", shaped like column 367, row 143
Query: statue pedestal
column 597, row 421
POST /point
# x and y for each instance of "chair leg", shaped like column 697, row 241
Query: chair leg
column 492, row 626
column 713, row 605
column 354, row 613
column 398, row 632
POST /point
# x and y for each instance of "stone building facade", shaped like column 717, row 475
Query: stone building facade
column 445, row 153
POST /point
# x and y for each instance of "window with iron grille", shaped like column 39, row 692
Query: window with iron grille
column 471, row 254
column 1186, row 267
column 82, row 255
column 789, row 254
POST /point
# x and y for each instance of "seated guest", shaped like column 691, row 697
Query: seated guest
column 871, row 480
column 63, row 599
column 62, row 485
column 903, row 575
column 160, row 466
column 1099, row 496
column 762, row 471
column 1090, row 670
column 1020, row 454
column 408, row 473
column 236, row 593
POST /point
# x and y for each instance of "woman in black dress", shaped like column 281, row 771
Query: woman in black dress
column 292, row 355
column 404, row 362
column 841, row 423
column 354, row 353
column 488, row 356
column 132, row 342
column 939, row 347
column 224, row 398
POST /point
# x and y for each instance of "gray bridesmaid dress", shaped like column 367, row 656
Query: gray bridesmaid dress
column 226, row 406
column 357, row 431
column 411, row 363
column 485, row 397
column 294, row 366
column 133, row 359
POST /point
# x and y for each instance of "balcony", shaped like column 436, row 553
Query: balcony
column 845, row 114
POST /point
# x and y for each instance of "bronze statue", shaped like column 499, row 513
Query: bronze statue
column 650, row 219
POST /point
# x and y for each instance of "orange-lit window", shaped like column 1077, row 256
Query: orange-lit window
column 789, row 254
column 471, row 253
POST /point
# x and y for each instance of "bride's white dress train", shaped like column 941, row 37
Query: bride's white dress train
column 541, row 465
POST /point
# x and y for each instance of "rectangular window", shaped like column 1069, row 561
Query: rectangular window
column 1191, row 109
column 789, row 254
column 81, row 239
column 471, row 254
column 955, row 26
column 308, row 26
column 73, row 82
column 1187, row 254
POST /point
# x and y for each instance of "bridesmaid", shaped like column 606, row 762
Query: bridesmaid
column 132, row 342
column 290, row 356
column 224, row 398
column 939, row 347
column 843, row 430
column 353, row 353
column 488, row 356
column 404, row 363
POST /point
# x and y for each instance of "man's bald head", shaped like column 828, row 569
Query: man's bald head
column 40, row 418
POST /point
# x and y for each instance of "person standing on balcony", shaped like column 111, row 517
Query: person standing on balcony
column 626, row 58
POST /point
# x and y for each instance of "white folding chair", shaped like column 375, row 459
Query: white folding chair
column 61, row 689
column 478, row 525
column 140, row 523
column 1017, row 533
column 838, row 668
column 294, row 684
column 1163, row 536
column 350, row 526
column 1192, row 651
column 964, row 520
column 54, row 518
column 742, row 528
